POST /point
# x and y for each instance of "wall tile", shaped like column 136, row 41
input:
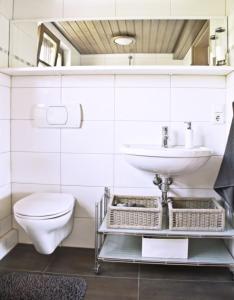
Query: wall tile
column 195, row 104
column 5, row 172
column 43, row 168
column 5, row 201
column 33, row 139
column 28, row 9
column 191, row 81
column 147, row 133
column 87, row 169
column 6, row 8
column 5, row 225
column 128, row 176
column 207, row 193
column 36, row 81
column 97, row 103
column 3, row 60
column 197, row 8
column 230, row 80
column 5, row 103
column 89, row 8
column 174, row 192
column 82, row 81
column 8, row 242
column 82, row 234
column 86, row 197
column 229, row 6
column 153, row 191
column 5, row 135
column 22, row 236
column 204, row 134
column 4, row 42
column 142, row 81
column 93, row 137
column 142, row 104
column 149, row 8
column 24, row 99
column 21, row 190
column 203, row 178
column 5, row 80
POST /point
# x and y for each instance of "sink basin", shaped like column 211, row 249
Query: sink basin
column 173, row 161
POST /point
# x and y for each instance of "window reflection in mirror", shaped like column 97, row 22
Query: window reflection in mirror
column 48, row 48
column 147, row 42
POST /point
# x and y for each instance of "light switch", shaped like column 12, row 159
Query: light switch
column 57, row 115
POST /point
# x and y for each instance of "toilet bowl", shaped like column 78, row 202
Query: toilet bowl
column 47, row 218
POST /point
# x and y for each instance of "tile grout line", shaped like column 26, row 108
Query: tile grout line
column 49, row 262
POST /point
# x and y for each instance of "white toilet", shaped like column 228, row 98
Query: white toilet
column 47, row 218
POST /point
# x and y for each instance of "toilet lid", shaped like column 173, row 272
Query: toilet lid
column 44, row 205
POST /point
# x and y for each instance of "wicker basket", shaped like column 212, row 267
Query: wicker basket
column 196, row 214
column 148, row 217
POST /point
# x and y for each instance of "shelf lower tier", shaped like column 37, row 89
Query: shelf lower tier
column 201, row 252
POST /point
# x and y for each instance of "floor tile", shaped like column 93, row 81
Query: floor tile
column 103, row 288
column 185, row 273
column 72, row 261
column 81, row 261
column 119, row 270
column 185, row 290
column 25, row 257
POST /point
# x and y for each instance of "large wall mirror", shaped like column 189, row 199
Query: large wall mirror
column 118, row 42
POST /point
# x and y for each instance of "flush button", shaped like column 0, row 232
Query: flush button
column 57, row 115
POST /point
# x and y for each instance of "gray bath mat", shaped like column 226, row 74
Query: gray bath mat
column 35, row 286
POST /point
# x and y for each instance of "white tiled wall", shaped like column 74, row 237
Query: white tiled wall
column 33, row 9
column 5, row 169
column 116, row 110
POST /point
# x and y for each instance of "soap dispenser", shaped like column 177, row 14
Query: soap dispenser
column 188, row 135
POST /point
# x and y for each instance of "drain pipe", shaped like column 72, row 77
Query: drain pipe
column 163, row 184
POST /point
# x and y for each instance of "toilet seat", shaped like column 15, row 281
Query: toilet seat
column 41, row 206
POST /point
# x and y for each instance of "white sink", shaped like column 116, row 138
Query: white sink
column 166, row 161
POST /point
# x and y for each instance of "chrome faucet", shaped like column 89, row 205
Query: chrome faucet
column 165, row 137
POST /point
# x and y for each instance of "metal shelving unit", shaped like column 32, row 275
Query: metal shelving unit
column 125, row 245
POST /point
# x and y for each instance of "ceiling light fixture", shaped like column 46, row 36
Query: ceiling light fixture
column 124, row 40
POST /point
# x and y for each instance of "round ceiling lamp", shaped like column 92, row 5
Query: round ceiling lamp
column 124, row 40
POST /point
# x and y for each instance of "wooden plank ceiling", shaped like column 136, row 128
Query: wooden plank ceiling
column 152, row 36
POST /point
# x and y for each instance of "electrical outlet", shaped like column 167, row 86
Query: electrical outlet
column 218, row 118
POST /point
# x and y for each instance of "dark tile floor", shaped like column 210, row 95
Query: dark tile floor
column 126, row 281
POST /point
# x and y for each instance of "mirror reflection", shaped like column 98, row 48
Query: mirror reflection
column 118, row 42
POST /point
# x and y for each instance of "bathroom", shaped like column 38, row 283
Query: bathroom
column 112, row 99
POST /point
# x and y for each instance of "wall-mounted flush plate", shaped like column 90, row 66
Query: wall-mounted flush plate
column 57, row 116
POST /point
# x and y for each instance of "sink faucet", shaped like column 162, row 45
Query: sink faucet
column 165, row 137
